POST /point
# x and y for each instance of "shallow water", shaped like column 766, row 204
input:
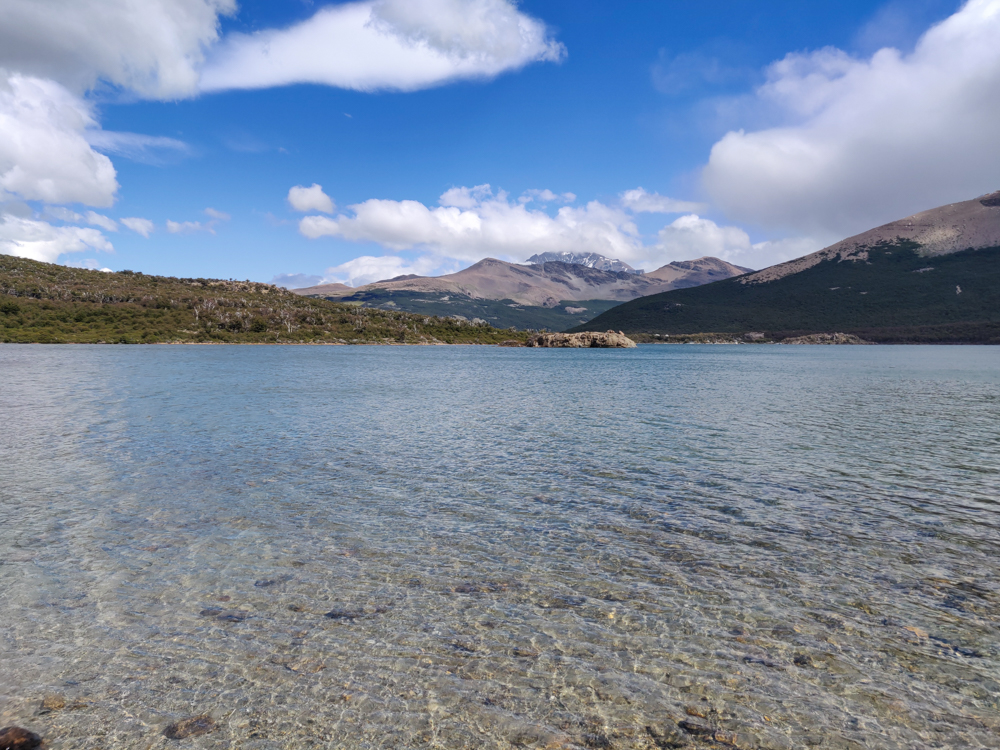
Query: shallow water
column 753, row 547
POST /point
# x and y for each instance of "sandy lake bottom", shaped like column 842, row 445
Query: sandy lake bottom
column 472, row 547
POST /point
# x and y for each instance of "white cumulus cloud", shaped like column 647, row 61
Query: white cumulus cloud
column 39, row 240
column 44, row 152
column 865, row 141
column 388, row 44
column 692, row 236
column 305, row 199
column 367, row 268
column 154, row 48
column 138, row 225
column 488, row 225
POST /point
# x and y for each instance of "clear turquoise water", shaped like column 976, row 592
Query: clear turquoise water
column 784, row 547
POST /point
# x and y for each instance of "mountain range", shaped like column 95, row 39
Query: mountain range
column 552, row 294
column 931, row 277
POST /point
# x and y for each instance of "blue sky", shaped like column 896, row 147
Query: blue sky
column 758, row 131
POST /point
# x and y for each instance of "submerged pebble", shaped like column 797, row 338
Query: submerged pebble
column 344, row 614
column 52, row 703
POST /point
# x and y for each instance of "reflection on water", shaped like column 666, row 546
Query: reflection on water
column 751, row 547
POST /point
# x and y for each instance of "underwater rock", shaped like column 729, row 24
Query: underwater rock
column 193, row 727
column 226, row 615
column 51, row 703
column 344, row 614
column 16, row 738
column 698, row 730
column 268, row 582
column 562, row 602
column 762, row 662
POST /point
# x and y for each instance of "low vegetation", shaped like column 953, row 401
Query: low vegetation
column 46, row 303
column 503, row 313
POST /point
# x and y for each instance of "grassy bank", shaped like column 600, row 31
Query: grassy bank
column 46, row 303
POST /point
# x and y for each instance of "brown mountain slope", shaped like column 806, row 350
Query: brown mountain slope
column 546, row 284
column 324, row 290
column 968, row 225
column 933, row 277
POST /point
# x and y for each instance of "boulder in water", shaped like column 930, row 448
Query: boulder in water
column 16, row 738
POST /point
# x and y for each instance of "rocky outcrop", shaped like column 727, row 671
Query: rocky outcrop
column 827, row 338
column 590, row 260
column 585, row 340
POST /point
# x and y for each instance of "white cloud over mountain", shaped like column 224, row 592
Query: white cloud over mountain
column 473, row 223
column 482, row 224
column 39, row 240
column 367, row 268
column 388, row 44
column 866, row 141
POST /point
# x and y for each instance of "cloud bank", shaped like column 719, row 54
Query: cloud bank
column 39, row 240
column 866, row 141
column 472, row 223
column 153, row 48
column 53, row 53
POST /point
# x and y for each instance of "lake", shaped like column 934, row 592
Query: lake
column 474, row 547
